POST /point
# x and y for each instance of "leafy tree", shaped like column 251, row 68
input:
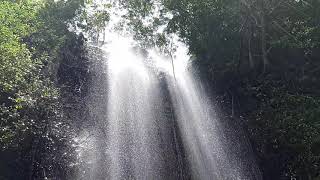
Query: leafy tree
column 35, row 137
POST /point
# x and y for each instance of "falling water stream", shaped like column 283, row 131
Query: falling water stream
column 133, row 116
column 156, row 124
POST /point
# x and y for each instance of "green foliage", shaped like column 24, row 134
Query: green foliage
column 144, row 19
column 17, row 66
column 33, row 131
column 286, row 130
column 294, row 24
column 206, row 25
column 16, row 61
column 94, row 19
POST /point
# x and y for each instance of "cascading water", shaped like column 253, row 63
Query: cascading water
column 133, row 115
column 141, row 139
column 133, row 138
column 202, row 133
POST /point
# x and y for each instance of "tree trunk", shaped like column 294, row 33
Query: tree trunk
column 263, row 36
column 251, row 63
column 172, row 63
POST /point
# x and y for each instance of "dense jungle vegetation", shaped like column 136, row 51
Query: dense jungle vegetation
column 260, row 60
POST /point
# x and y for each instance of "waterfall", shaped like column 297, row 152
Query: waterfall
column 133, row 115
column 152, row 124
